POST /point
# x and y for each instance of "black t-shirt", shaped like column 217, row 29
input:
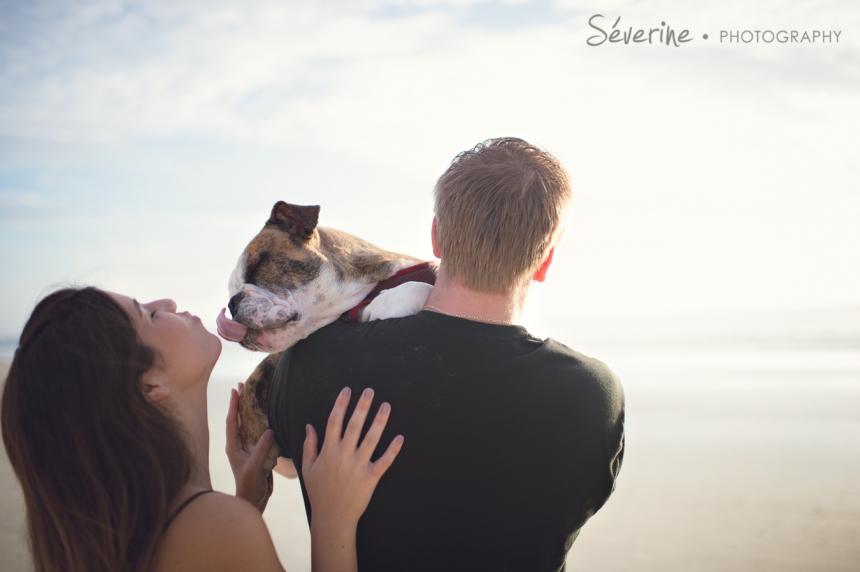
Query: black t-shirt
column 511, row 442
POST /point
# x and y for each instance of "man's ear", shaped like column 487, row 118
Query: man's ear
column 540, row 273
column 436, row 252
column 154, row 387
column 295, row 219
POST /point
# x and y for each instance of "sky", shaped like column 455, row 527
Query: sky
column 142, row 145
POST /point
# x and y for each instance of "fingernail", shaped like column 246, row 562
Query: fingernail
column 308, row 430
column 384, row 408
column 398, row 440
column 345, row 392
column 368, row 393
column 269, row 434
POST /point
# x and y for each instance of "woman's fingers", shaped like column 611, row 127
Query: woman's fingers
column 356, row 422
column 252, row 472
column 234, row 442
column 334, row 428
column 349, row 441
column 261, row 451
column 311, row 449
column 381, row 465
column 371, row 439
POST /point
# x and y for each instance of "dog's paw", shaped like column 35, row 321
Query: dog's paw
column 404, row 300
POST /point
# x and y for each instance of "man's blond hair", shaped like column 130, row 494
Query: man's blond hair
column 500, row 207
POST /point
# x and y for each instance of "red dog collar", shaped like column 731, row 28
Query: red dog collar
column 424, row 272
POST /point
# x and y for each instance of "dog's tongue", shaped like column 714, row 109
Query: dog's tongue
column 228, row 329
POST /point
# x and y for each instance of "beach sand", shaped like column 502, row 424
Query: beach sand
column 751, row 464
column 735, row 469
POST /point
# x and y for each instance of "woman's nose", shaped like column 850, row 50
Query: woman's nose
column 165, row 305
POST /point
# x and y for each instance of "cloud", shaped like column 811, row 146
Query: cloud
column 294, row 74
column 120, row 123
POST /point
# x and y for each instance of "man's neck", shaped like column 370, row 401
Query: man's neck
column 451, row 297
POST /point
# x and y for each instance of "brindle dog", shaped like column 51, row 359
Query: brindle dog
column 294, row 278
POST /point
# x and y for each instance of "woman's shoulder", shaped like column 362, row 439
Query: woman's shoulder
column 213, row 511
column 217, row 532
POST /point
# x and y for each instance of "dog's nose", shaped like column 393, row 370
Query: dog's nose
column 234, row 303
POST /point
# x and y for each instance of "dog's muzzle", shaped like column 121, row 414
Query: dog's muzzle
column 254, row 308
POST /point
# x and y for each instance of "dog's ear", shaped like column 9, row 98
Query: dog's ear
column 295, row 219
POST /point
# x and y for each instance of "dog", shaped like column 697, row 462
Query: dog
column 294, row 278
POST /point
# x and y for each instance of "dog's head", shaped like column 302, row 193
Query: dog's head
column 273, row 280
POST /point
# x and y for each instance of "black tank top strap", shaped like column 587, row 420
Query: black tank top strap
column 182, row 506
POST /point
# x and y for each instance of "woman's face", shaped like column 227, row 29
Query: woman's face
column 185, row 351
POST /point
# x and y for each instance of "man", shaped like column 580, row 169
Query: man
column 512, row 442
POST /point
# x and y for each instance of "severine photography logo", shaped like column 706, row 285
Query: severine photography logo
column 668, row 36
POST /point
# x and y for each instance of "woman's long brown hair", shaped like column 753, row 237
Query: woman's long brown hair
column 99, row 464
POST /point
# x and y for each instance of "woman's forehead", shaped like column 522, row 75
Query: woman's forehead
column 129, row 304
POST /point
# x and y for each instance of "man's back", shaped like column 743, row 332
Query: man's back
column 512, row 443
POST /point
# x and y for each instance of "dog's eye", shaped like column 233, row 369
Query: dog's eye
column 249, row 277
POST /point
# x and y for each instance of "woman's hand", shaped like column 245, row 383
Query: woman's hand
column 254, row 482
column 341, row 479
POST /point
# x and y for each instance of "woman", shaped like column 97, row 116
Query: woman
column 104, row 419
